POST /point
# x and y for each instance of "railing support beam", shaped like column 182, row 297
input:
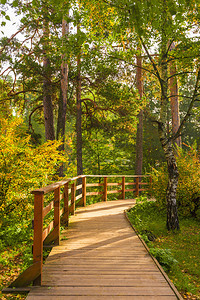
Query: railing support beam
column 66, row 204
column 137, row 186
column 56, row 223
column 73, row 195
column 123, row 187
column 105, row 186
column 38, row 234
column 84, row 191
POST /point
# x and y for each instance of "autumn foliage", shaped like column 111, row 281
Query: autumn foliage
column 23, row 168
column 188, row 191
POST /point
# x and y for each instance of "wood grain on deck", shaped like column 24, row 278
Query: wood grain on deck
column 101, row 257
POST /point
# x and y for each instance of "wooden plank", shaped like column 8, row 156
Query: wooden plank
column 94, row 184
column 50, row 187
column 104, row 291
column 123, row 187
column 130, row 190
column 73, row 192
column 93, row 193
column 66, row 204
column 98, row 281
column 38, row 237
column 78, row 197
column 114, row 191
column 113, row 176
column 137, row 187
column 114, row 183
column 61, row 211
column 47, row 209
column 84, row 191
column 130, row 183
column 28, row 276
column 105, row 189
column 56, row 223
column 116, row 297
column 78, row 187
column 47, row 230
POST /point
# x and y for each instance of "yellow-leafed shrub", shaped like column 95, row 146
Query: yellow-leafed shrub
column 22, row 169
column 188, row 191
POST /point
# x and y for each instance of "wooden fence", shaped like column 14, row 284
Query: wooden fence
column 63, row 204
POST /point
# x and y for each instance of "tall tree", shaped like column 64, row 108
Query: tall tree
column 62, row 102
column 139, row 135
column 174, row 101
column 155, row 23
column 79, row 143
column 47, row 88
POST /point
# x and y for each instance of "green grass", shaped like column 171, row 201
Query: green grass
column 181, row 255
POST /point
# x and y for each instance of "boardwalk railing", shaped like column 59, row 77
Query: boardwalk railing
column 65, row 199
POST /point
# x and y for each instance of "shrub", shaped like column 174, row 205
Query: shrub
column 22, row 169
column 188, row 191
column 164, row 257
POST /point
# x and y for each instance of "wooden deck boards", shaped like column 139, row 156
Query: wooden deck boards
column 101, row 257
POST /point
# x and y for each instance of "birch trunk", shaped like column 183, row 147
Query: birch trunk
column 172, row 214
column 174, row 101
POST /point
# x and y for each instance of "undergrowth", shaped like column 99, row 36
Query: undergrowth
column 177, row 252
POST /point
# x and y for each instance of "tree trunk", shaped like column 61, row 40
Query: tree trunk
column 62, row 104
column 174, row 101
column 47, row 89
column 172, row 213
column 139, row 135
column 78, row 119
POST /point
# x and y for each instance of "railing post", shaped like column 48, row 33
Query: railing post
column 66, row 204
column 137, row 187
column 105, row 189
column 150, row 185
column 73, row 195
column 123, row 187
column 38, row 234
column 84, row 191
column 56, row 223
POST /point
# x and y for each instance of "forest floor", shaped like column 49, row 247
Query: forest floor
column 178, row 252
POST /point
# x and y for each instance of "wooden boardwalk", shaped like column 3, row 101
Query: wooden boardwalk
column 101, row 257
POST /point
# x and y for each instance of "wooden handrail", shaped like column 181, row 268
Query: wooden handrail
column 62, row 189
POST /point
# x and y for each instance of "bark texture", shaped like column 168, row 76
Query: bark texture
column 47, row 89
column 139, row 135
column 79, row 143
column 62, row 104
column 174, row 101
column 172, row 213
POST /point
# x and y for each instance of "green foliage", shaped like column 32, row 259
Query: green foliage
column 188, row 191
column 178, row 253
column 164, row 257
column 23, row 168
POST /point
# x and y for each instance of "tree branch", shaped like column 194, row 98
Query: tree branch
column 12, row 37
column 177, row 134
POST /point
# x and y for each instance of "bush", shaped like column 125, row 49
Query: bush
column 164, row 257
column 188, row 191
column 22, row 169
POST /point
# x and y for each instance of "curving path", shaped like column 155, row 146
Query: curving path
column 101, row 257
